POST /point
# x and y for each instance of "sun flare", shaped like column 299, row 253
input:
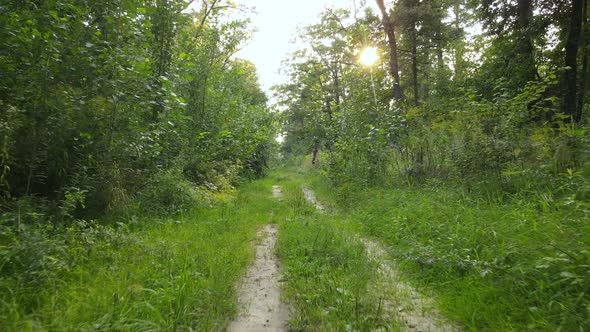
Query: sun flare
column 369, row 56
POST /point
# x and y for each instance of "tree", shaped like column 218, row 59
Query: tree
column 570, row 85
column 319, row 90
column 423, row 38
column 163, row 17
column 512, row 28
column 393, row 52
column 585, row 53
column 99, row 97
column 458, row 35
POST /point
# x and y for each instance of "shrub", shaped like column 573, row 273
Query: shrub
column 169, row 192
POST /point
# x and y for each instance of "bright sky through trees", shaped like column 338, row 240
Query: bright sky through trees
column 277, row 22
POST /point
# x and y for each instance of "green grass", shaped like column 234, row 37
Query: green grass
column 497, row 266
column 493, row 265
column 174, row 274
column 327, row 274
column 180, row 273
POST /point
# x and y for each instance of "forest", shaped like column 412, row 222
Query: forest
column 138, row 152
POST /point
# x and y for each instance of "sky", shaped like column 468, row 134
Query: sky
column 277, row 22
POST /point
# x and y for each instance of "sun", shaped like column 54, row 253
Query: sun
column 369, row 56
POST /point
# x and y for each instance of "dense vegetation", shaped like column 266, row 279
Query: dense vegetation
column 104, row 101
column 125, row 125
column 465, row 148
column 112, row 111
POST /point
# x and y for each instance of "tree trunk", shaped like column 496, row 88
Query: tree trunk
column 314, row 157
column 327, row 99
column 459, row 63
column 337, row 92
column 525, row 43
column 163, row 32
column 585, row 46
column 415, row 64
column 569, row 106
column 393, row 62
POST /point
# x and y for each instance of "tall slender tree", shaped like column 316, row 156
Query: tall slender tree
column 570, row 82
column 585, row 53
column 393, row 51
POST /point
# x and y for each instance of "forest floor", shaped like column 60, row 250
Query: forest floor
column 261, row 308
column 287, row 253
column 399, row 300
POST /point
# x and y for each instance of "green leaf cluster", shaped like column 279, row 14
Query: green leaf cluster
column 101, row 99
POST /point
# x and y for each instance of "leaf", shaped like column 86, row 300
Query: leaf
column 53, row 14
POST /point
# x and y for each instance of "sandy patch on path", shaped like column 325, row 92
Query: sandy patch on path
column 310, row 197
column 414, row 311
column 276, row 192
column 259, row 294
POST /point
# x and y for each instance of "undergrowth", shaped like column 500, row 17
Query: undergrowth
column 172, row 273
column 327, row 274
column 496, row 262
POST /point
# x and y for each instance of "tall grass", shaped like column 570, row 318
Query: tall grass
column 327, row 274
column 510, row 264
column 179, row 273
column 167, row 274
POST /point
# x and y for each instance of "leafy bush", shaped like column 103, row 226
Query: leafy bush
column 170, row 192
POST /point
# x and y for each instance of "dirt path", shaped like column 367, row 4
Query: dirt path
column 259, row 293
column 412, row 309
column 276, row 192
column 399, row 300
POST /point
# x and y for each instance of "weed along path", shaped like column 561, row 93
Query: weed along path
column 398, row 300
column 259, row 291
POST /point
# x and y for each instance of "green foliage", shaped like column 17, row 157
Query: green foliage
column 170, row 192
column 113, row 111
column 481, row 184
column 513, row 264
column 328, row 280
column 101, row 96
column 328, row 275
column 159, row 274
column 489, row 144
column 38, row 260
